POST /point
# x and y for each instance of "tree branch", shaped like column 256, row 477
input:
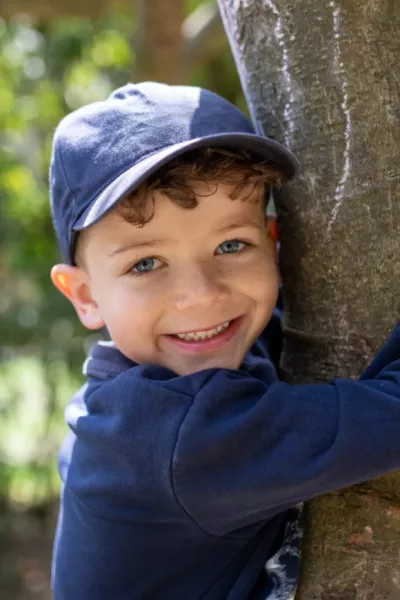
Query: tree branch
column 45, row 9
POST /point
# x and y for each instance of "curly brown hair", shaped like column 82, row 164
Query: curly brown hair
column 179, row 180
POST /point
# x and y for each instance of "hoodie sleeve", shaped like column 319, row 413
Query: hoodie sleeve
column 247, row 450
column 115, row 469
column 222, row 448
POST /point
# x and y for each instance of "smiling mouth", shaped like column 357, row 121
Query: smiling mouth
column 206, row 334
column 207, row 340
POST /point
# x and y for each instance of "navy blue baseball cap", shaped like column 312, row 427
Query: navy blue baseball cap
column 105, row 150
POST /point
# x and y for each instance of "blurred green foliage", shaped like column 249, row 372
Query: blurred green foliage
column 47, row 70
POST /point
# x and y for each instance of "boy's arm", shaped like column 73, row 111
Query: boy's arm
column 115, row 468
column 223, row 449
column 248, row 450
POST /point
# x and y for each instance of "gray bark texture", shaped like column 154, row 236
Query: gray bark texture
column 323, row 77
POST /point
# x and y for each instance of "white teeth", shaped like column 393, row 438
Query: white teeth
column 203, row 335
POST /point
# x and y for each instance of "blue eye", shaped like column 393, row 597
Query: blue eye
column 145, row 266
column 232, row 246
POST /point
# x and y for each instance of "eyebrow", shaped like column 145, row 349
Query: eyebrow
column 136, row 245
column 158, row 242
column 239, row 225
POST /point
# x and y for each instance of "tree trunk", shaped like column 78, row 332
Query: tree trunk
column 159, row 42
column 322, row 77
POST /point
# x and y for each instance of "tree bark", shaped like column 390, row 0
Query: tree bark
column 322, row 77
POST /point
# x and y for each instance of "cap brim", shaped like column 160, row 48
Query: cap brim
column 130, row 179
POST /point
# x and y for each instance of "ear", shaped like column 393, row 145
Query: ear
column 271, row 228
column 74, row 283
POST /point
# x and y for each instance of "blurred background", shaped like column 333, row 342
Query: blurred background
column 54, row 57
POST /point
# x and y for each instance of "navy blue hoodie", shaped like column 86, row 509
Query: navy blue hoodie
column 190, row 487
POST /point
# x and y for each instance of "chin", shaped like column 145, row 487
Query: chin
column 210, row 363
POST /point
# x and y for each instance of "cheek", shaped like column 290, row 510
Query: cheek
column 126, row 309
column 261, row 277
column 263, row 288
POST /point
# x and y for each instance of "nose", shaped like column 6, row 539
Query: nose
column 199, row 286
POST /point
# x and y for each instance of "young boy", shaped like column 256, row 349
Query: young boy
column 187, row 456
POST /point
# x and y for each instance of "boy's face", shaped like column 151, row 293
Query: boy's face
column 186, row 270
